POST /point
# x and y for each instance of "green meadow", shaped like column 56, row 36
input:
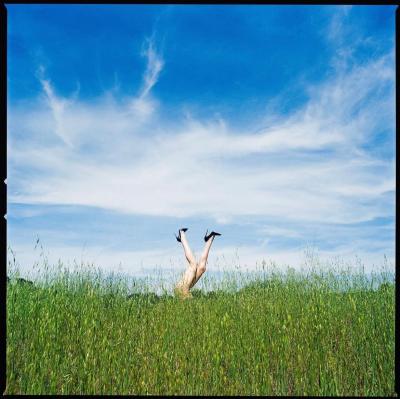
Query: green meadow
column 316, row 333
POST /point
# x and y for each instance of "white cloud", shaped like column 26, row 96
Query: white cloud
column 155, row 64
column 337, row 23
column 203, row 167
column 57, row 106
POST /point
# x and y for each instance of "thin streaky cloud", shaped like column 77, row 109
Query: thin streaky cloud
column 155, row 64
column 57, row 106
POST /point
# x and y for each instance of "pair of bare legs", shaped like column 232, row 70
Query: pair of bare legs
column 195, row 269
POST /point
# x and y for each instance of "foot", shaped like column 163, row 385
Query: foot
column 179, row 232
column 212, row 234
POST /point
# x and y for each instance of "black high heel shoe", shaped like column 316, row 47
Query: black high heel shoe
column 179, row 232
column 212, row 234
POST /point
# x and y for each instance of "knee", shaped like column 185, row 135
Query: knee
column 202, row 263
column 193, row 265
column 202, row 268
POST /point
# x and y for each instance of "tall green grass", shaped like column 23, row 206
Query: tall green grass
column 280, row 334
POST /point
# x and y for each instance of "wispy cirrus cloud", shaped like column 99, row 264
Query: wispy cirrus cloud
column 155, row 64
column 143, row 104
column 57, row 106
column 174, row 171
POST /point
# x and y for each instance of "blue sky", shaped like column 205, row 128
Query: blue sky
column 273, row 125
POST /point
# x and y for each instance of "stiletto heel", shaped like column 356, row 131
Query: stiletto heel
column 212, row 234
column 179, row 232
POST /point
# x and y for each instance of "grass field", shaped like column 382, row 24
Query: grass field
column 284, row 334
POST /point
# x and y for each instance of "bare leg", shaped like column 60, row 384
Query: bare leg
column 203, row 261
column 188, row 252
column 189, row 276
